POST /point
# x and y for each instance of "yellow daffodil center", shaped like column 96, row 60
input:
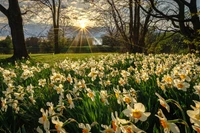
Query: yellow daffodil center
column 128, row 130
column 103, row 100
column 180, row 85
column 182, row 76
column 91, row 94
column 197, row 116
column 58, row 89
column 127, row 100
column 85, row 131
column 44, row 118
column 168, row 79
column 108, row 131
column 163, row 104
column 69, row 101
column 69, row 79
column 197, row 129
column 114, row 125
column 164, row 123
column 117, row 95
column 136, row 113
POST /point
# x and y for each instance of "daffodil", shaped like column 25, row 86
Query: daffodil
column 104, row 97
column 93, row 74
column 167, row 125
column 44, row 119
column 118, row 95
column 197, row 89
column 59, row 89
column 163, row 102
column 107, row 129
column 91, row 94
column 137, row 112
column 70, row 101
column 181, row 85
column 131, row 129
column 117, row 123
column 4, row 105
column 85, row 127
column 42, row 82
column 58, row 125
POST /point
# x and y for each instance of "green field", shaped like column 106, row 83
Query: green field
column 109, row 93
column 52, row 58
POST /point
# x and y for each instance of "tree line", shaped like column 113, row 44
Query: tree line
column 128, row 21
column 157, row 43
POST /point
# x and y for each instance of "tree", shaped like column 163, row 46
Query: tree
column 32, row 44
column 14, row 16
column 55, row 8
column 6, row 45
column 183, row 15
column 130, row 22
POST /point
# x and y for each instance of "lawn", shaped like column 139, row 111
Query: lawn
column 109, row 93
column 52, row 58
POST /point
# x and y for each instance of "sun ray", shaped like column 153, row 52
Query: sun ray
column 83, row 36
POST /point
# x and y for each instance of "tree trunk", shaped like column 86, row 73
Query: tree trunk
column 56, row 39
column 17, row 33
column 131, row 24
column 136, row 27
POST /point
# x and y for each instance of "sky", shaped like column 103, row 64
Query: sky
column 37, row 23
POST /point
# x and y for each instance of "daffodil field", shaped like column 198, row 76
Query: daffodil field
column 113, row 93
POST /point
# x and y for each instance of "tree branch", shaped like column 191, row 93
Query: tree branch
column 162, row 15
column 4, row 10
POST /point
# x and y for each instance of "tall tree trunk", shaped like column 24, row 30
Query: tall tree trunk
column 56, row 40
column 144, row 31
column 136, row 27
column 56, row 18
column 13, row 14
column 186, row 30
column 131, row 25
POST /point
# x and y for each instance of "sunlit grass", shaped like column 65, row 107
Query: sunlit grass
column 52, row 58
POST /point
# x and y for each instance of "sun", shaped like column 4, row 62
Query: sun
column 82, row 24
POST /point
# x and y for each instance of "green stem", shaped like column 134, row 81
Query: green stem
column 187, row 129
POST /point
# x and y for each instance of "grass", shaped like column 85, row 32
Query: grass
column 52, row 58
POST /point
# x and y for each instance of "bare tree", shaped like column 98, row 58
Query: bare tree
column 183, row 15
column 126, row 16
column 55, row 8
column 14, row 16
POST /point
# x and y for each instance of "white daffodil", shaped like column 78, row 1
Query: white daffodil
column 42, row 82
column 70, row 101
column 44, row 119
column 168, row 126
column 4, row 105
column 104, row 96
column 181, row 85
column 85, row 127
column 194, row 115
column 107, row 129
column 118, row 95
column 163, row 102
column 137, row 113
column 91, row 94
column 93, row 74
column 59, row 89
column 117, row 122
column 197, row 89
column 131, row 129
column 58, row 125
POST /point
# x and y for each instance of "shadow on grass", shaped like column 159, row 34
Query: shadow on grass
column 10, row 61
